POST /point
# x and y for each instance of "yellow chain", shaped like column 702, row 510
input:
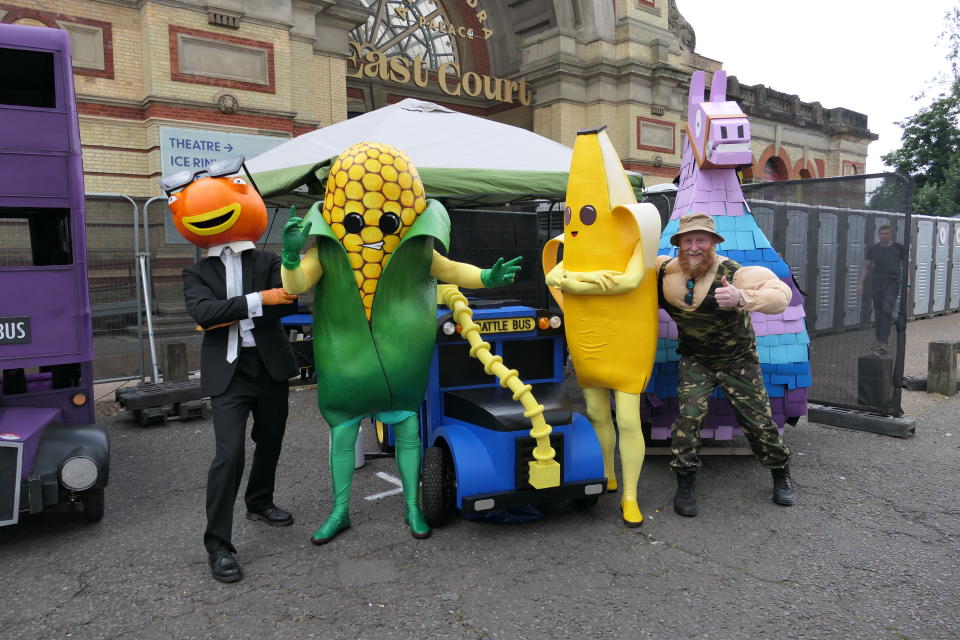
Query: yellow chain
column 544, row 470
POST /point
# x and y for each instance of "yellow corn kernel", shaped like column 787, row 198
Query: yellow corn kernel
column 354, row 190
column 372, row 181
column 371, row 234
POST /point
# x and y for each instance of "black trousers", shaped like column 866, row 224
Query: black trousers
column 884, row 293
column 252, row 390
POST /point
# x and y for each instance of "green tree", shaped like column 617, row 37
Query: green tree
column 930, row 144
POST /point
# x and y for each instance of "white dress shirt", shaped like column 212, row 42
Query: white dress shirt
column 240, row 332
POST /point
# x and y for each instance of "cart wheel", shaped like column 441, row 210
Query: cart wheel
column 93, row 501
column 437, row 485
column 383, row 437
column 586, row 502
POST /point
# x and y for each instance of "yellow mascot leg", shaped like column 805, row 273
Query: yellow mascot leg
column 598, row 411
column 632, row 451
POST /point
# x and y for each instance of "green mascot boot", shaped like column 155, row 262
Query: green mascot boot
column 408, row 454
column 343, row 441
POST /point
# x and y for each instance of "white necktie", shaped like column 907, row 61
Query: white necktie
column 233, row 267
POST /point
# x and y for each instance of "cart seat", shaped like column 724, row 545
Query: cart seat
column 494, row 407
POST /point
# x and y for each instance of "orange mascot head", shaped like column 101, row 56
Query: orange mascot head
column 211, row 207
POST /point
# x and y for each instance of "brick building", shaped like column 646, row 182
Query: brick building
column 167, row 84
column 273, row 70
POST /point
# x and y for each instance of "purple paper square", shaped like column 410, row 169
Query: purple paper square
column 724, row 432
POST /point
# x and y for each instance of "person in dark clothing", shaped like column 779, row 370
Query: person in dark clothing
column 235, row 295
column 883, row 266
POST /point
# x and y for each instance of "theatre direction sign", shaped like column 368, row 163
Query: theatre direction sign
column 193, row 149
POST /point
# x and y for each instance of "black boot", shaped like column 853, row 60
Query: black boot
column 783, row 492
column 685, row 499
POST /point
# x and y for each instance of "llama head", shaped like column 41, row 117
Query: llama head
column 718, row 131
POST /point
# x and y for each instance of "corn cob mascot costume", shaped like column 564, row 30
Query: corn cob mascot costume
column 609, row 298
column 374, row 320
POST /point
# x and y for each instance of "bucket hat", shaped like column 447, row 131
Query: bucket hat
column 695, row 222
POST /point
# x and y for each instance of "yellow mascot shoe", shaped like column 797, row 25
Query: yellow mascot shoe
column 612, row 485
column 631, row 513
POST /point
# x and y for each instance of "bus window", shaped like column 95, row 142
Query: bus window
column 34, row 237
column 44, row 378
column 458, row 369
column 27, row 78
column 536, row 356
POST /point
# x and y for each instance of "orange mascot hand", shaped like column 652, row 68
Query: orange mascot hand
column 276, row 296
column 217, row 326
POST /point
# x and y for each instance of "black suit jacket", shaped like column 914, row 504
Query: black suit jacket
column 205, row 293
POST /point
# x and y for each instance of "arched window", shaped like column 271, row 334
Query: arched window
column 401, row 27
column 774, row 170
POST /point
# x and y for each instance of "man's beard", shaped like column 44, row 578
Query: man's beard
column 697, row 270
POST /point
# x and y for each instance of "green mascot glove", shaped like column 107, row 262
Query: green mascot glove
column 501, row 272
column 295, row 235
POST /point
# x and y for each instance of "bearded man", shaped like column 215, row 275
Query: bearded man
column 709, row 297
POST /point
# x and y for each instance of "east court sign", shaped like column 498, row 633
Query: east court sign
column 369, row 63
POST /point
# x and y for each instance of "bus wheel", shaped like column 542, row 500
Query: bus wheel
column 93, row 501
column 383, row 437
column 436, row 486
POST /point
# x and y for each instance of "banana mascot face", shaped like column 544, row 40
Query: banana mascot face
column 374, row 194
column 594, row 238
column 212, row 211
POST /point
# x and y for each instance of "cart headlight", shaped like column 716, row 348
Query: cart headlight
column 78, row 473
column 448, row 328
column 555, row 322
column 483, row 505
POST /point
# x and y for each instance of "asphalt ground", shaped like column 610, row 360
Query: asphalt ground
column 869, row 551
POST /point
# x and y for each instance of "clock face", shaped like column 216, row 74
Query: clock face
column 402, row 27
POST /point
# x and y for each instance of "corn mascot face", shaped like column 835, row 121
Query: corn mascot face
column 374, row 195
column 211, row 211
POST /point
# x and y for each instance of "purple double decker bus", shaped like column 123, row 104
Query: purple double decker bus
column 51, row 452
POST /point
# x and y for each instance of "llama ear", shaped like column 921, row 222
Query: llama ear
column 718, row 88
column 697, row 83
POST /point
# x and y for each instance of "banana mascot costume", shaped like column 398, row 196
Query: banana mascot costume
column 608, row 292
column 374, row 322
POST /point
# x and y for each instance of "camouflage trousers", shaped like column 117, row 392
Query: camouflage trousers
column 742, row 383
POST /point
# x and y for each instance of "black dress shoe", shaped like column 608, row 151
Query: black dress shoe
column 223, row 566
column 272, row 515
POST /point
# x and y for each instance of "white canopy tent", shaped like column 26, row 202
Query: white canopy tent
column 458, row 156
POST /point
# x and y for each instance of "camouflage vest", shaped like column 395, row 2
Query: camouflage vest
column 713, row 335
